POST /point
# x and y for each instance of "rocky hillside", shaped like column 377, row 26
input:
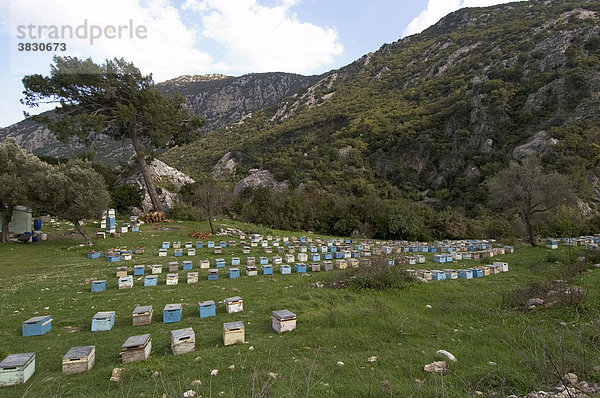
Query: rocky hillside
column 220, row 99
column 431, row 116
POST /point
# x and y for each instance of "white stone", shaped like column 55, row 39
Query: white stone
column 439, row 367
column 340, row 363
column 446, row 354
column 372, row 359
column 189, row 394
column 214, row 372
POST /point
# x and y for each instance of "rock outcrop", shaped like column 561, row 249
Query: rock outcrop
column 260, row 178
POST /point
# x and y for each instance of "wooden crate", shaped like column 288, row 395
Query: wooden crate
column 136, row 348
column 79, row 360
column 233, row 332
column 37, row 325
column 103, row 321
column 17, row 368
column 142, row 315
column 283, row 321
column 183, row 341
column 234, row 304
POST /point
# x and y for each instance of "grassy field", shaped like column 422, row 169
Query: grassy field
column 499, row 348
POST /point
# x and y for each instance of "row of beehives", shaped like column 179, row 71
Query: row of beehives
column 475, row 272
column 18, row 368
column 552, row 243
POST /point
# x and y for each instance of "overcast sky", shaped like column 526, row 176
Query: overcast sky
column 170, row 38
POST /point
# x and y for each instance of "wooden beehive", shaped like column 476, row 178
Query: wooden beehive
column 503, row 266
column 79, row 360
column 233, row 332
column 183, row 341
column 314, row 267
column 250, row 261
column 173, row 266
column 192, row 277
column 98, row 286
column 121, row 271
column 283, row 321
column 234, row 304
column 136, row 348
column 172, row 279
column 156, row 269
column 327, row 265
column 251, row 270
column 139, row 270
column 191, row 252
column 126, row 282
column 285, row 269
column 36, row 326
column 206, row 309
column 267, row 269
column 172, row 313
column 162, row 252
column 341, row 264
column 218, row 250
column 17, row 368
column 103, row 321
column 204, row 264
column 176, row 245
column 451, row 274
column 142, row 315
column 139, row 250
column 151, row 280
column 213, row 274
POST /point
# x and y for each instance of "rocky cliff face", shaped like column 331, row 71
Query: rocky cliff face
column 220, row 99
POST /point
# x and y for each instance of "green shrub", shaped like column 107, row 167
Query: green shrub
column 124, row 197
column 187, row 212
column 379, row 276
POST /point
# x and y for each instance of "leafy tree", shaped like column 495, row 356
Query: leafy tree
column 209, row 195
column 17, row 168
column 526, row 190
column 73, row 191
column 124, row 197
column 113, row 98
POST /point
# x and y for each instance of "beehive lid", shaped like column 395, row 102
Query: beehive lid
column 234, row 269
column 142, row 309
column 283, row 315
column 79, row 352
column 136, row 342
column 173, row 263
column 182, row 333
column 172, row 275
column 151, row 276
column 172, row 307
column 37, row 319
column 233, row 299
column 139, row 266
column 121, row 268
column 232, row 326
column 125, row 278
column 213, row 271
column 104, row 315
column 195, row 273
column 251, row 268
column 17, row 360
column 100, row 281
column 206, row 303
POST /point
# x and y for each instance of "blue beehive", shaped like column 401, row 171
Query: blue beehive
column 219, row 263
column 213, row 274
column 199, row 244
column 327, row 256
column 210, row 244
column 178, row 252
column 477, row 273
column 332, row 249
column 339, row 255
column 355, row 253
column 449, row 258
column 439, row 258
column 299, row 268
column 135, row 228
column 315, row 257
column 186, row 265
column 37, row 326
column 113, row 257
column 313, row 249
column 234, row 273
column 263, row 261
column 99, row 286
column 285, row 269
column 267, row 270
column 93, row 254
column 206, row 309
column 223, row 243
column 438, row 275
column 235, row 261
column 166, row 245
column 172, row 313
column 138, row 270
column 103, row 321
column 151, row 280
column 391, row 262
column 465, row 274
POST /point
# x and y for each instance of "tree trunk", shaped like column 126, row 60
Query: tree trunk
column 144, row 168
column 210, row 222
column 6, row 218
column 530, row 231
column 79, row 228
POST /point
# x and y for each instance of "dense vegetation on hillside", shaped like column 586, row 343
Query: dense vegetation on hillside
column 427, row 119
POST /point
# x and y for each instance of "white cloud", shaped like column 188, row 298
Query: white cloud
column 436, row 9
column 167, row 51
column 258, row 38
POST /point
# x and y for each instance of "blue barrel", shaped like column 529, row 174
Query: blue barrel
column 37, row 224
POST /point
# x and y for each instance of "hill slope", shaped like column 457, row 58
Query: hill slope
column 220, row 99
column 431, row 116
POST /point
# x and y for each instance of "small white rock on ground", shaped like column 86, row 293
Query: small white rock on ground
column 446, row 354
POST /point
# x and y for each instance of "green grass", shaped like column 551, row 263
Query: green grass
column 471, row 319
